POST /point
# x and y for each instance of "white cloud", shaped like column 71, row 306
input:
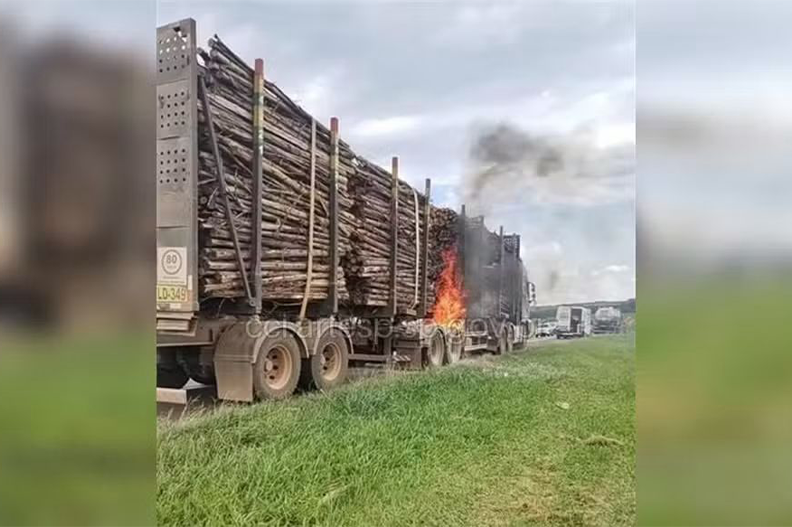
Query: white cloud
column 489, row 24
column 321, row 95
column 611, row 269
column 386, row 127
column 564, row 280
column 615, row 134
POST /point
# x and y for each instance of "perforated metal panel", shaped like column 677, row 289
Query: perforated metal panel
column 176, row 172
column 173, row 161
column 173, row 109
column 175, row 50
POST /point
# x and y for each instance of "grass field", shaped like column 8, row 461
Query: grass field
column 543, row 437
column 77, row 445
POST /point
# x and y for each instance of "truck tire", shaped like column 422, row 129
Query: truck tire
column 435, row 353
column 329, row 366
column 197, row 363
column 503, row 344
column 277, row 367
column 171, row 376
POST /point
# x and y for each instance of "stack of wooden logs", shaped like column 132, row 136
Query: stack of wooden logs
column 286, row 188
column 364, row 204
column 368, row 262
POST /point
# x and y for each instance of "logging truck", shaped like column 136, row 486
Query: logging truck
column 283, row 257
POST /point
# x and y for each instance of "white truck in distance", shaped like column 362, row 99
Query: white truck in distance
column 607, row 320
column 573, row 321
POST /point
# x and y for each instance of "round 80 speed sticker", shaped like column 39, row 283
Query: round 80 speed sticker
column 172, row 265
column 171, row 262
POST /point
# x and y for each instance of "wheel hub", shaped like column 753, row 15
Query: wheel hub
column 277, row 367
column 330, row 360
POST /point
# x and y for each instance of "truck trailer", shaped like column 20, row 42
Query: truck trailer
column 573, row 321
column 283, row 256
column 607, row 320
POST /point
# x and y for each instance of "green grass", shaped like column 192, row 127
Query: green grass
column 77, row 445
column 484, row 443
column 714, row 400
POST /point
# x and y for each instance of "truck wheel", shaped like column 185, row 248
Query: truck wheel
column 171, row 377
column 435, row 353
column 503, row 346
column 197, row 363
column 277, row 367
column 453, row 352
column 329, row 366
column 504, row 343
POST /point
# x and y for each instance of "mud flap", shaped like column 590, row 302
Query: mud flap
column 236, row 353
column 233, row 362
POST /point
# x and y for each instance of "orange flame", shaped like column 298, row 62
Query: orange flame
column 449, row 308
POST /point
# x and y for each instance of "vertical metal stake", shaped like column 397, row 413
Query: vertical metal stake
column 481, row 244
column 258, row 149
column 425, row 248
column 461, row 254
column 520, row 281
column 501, row 264
column 394, row 233
column 334, row 256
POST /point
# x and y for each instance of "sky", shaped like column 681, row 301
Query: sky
column 426, row 80
column 715, row 124
column 432, row 81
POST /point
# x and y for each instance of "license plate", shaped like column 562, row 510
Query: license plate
column 171, row 293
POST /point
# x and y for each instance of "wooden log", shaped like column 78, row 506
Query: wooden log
column 295, row 171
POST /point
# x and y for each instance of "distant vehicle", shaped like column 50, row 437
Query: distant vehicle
column 573, row 321
column 607, row 320
column 547, row 328
column 533, row 328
